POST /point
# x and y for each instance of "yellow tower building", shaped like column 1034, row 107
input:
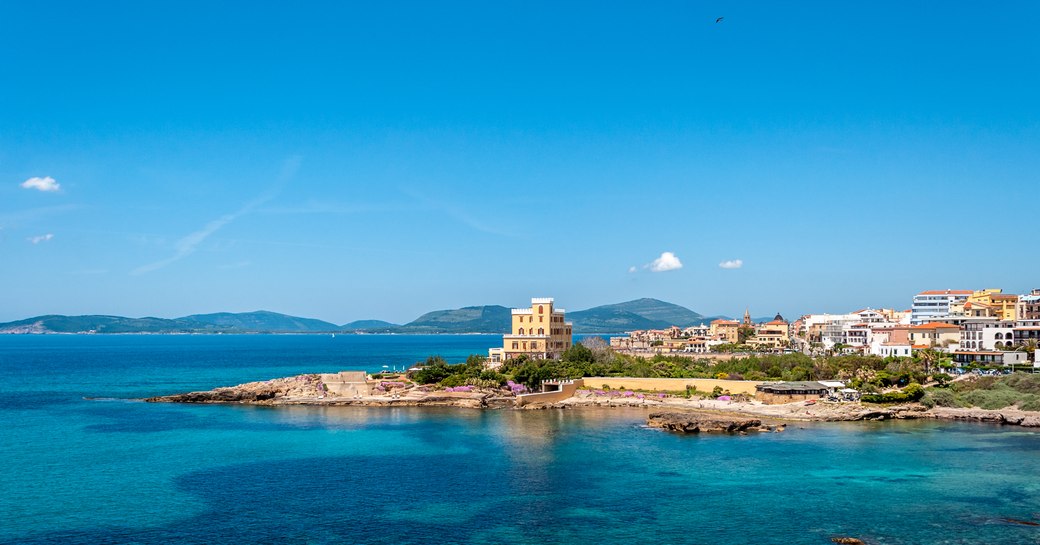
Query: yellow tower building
column 538, row 332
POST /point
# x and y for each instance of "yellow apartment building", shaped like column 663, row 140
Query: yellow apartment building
column 537, row 332
column 991, row 303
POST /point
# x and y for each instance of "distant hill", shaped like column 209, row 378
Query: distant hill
column 615, row 318
column 643, row 313
column 482, row 319
column 369, row 325
column 258, row 321
column 223, row 322
column 95, row 324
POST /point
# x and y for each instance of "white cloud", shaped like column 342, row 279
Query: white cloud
column 43, row 184
column 41, row 238
column 631, row 269
column 667, row 262
column 732, row 264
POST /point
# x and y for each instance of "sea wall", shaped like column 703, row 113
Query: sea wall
column 566, row 391
column 672, row 384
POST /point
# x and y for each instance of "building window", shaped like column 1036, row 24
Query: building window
column 516, row 345
column 541, row 331
column 541, row 309
column 521, row 331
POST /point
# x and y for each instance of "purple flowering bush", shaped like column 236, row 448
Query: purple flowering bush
column 515, row 387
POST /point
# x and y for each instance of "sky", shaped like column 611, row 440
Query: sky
column 378, row 160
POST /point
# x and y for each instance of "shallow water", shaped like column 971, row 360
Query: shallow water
column 117, row 471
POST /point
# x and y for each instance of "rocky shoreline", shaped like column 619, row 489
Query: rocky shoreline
column 673, row 413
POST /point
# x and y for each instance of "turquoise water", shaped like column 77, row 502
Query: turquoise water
column 115, row 471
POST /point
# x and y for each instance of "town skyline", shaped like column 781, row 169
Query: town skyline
column 377, row 162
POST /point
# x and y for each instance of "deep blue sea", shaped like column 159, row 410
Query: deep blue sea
column 113, row 470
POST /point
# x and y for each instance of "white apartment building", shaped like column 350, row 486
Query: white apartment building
column 985, row 333
column 930, row 306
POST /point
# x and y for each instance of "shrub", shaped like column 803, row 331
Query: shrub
column 912, row 392
column 453, row 380
column 1030, row 403
column 992, row 399
column 1023, row 382
column 943, row 398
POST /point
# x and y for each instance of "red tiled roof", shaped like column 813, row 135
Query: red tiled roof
column 935, row 325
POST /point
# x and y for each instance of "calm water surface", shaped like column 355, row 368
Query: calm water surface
column 117, row 471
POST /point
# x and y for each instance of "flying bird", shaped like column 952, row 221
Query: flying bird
column 719, row 20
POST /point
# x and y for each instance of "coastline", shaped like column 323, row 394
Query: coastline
column 307, row 390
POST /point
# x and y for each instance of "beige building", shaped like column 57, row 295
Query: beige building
column 934, row 335
column 772, row 335
column 537, row 332
column 725, row 330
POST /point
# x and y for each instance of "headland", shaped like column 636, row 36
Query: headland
column 352, row 389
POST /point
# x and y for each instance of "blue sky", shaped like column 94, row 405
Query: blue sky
column 348, row 161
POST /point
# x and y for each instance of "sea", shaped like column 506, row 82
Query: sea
column 82, row 460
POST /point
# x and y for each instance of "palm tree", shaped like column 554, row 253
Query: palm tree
column 1029, row 347
column 928, row 357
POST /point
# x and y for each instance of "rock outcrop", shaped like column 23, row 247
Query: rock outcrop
column 1010, row 416
column 690, row 422
column 310, row 390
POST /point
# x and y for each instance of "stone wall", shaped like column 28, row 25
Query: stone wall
column 776, row 399
column 347, row 383
column 566, row 391
column 672, row 384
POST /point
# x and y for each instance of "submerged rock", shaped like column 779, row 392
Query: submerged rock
column 847, row 540
column 704, row 423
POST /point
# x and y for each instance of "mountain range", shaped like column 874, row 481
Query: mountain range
column 615, row 318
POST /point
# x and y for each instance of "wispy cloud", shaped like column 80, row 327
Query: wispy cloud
column 732, row 264
column 458, row 213
column 42, row 184
column 41, row 238
column 188, row 244
column 667, row 262
column 632, row 269
column 332, row 208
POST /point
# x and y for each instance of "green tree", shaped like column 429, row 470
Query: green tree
column 578, row 353
column 744, row 333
